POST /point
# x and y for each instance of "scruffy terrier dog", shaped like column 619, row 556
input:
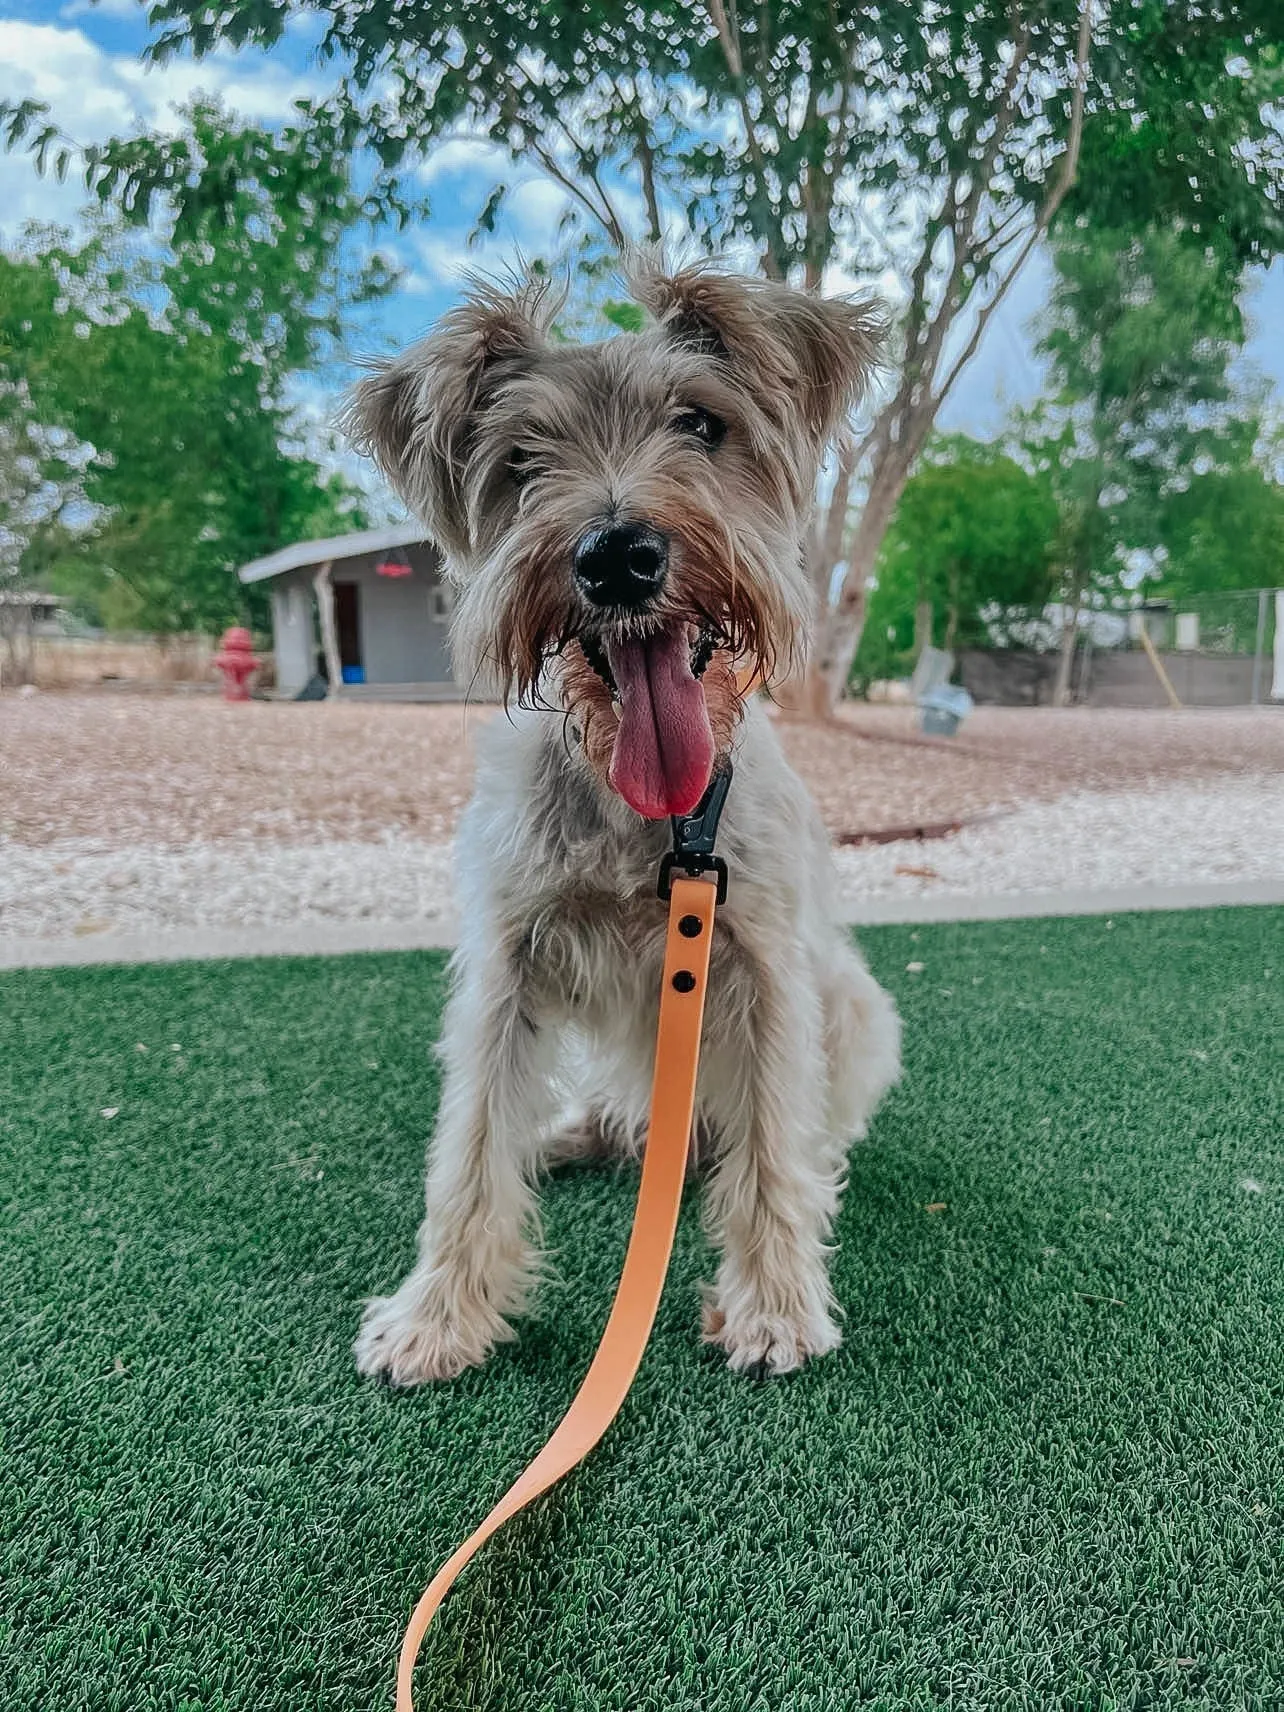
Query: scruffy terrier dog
column 624, row 521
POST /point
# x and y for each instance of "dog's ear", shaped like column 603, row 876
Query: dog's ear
column 416, row 414
column 811, row 354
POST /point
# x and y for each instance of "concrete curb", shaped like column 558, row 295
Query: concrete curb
column 327, row 939
column 183, row 944
column 1114, row 900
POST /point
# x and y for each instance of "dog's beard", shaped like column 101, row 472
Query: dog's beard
column 652, row 693
column 664, row 746
column 658, row 702
column 674, row 713
column 674, row 781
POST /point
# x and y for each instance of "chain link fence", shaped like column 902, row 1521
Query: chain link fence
column 1224, row 649
column 1235, row 621
column 1221, row 645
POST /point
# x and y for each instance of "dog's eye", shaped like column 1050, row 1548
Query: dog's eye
column 702, row 425
column 521, row 466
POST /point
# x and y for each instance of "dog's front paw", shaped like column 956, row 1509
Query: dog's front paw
column 757, row 1341
column 407, row 1343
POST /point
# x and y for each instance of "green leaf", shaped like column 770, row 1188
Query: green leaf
column 485, row 223
column 628, row 317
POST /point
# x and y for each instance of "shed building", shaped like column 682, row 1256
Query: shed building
column 367, row 612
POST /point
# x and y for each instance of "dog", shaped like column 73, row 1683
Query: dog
column 624, row 522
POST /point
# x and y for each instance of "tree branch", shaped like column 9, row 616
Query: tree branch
column 646, row 166
column 1004, row 115
column 588, row 165
column 959, row 219
column 813, row 194
column 645, row 154
column 916, row 320
column 1056, row 195
column 604, row 217
column 603, row 211
column 825, row 545
column 999, row 237
column 614, row 224
column 729, row 39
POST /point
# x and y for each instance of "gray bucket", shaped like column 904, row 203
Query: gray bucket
column 939, row 722
column 942, row 710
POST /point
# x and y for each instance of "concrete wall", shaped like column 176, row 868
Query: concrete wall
column 401, row 621
column 1200, row 680
column 1114, row 678
column 1009, row 677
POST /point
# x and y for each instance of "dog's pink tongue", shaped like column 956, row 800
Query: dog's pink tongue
column 663, row 753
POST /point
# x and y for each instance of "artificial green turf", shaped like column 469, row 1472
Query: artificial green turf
column 1044, row 1470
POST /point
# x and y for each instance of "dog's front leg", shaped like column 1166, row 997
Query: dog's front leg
column 774, row 1190
column 475, row 1261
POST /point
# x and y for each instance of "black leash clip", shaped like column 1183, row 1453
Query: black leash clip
column 694, row 836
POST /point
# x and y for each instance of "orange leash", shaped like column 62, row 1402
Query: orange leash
column 692, row 903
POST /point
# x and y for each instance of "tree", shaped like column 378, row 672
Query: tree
column 1224, row 530
column 969, row 551
column 173, row 367
column 39, row 481
column 1140, row 333
column 39, row 490
column 927, row 144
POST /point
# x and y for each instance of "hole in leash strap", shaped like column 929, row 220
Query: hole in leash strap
column 690, row 927
column 684, row 981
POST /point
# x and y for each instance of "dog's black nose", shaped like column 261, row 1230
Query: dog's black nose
column 621, row 566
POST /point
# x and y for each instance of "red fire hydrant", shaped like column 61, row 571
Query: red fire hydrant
column 236, row 660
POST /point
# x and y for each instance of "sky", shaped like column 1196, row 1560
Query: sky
column 83, row 60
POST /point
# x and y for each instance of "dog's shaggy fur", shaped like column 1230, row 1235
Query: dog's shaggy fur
column 709, row 428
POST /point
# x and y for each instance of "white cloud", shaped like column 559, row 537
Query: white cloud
column 413, row 283
column 460, row 156
column 93, row 94
column 63, row 67
column 131, row 11
column 534, row 210
column 254, row 88
column 438, row 257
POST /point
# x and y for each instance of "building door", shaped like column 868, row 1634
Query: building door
column 347, row 621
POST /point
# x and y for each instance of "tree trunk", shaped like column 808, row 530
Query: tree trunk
column 843, row 624
column 18, row 635
column 952, row 619
column 1063, row 694
column 922, row 627
column 797, row 693
column 1080, row 573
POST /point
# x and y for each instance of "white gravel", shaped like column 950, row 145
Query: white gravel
column 1230, row 830
column 79, row 887
column 1091, row 840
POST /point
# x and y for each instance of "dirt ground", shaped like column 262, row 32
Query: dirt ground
column 129, row 770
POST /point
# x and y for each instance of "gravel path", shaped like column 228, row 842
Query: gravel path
column 121, row 815
column 1163, row 836
column 81, row 887
column 130, row 770
column 1181, row 834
